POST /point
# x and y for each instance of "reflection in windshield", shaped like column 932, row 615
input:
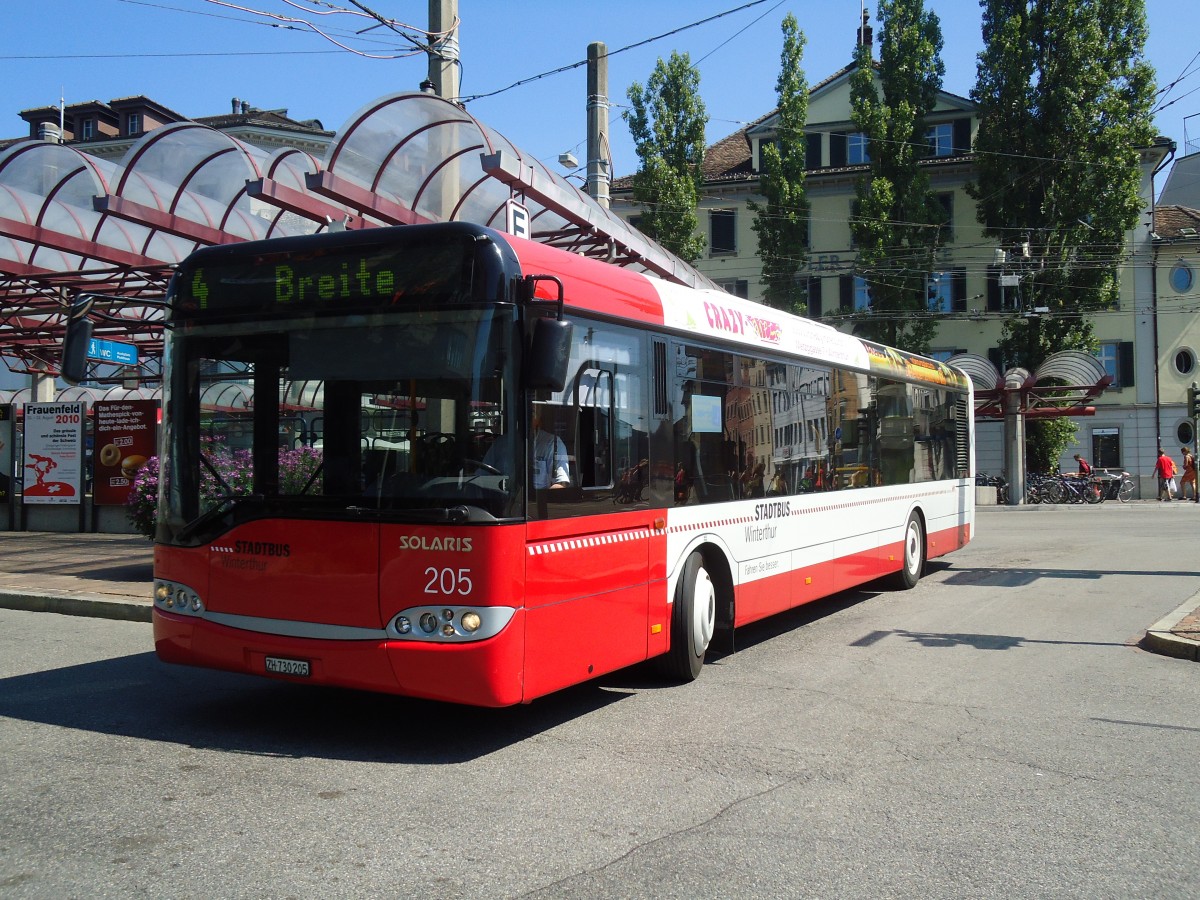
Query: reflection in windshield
column 412, row 411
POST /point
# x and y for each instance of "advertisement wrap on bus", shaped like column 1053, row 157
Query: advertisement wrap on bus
column 470, row 467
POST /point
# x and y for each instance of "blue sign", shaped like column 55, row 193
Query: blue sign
column 113, row 352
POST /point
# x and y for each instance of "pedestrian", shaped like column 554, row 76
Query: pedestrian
column 1164, row 471
column 1085, row 468
column 1189, row 474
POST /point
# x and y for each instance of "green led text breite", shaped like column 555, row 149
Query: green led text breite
column 350, row 280
column 345, row 284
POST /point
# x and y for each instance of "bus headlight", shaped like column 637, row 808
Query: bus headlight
column 177, row 598
column 448, row 624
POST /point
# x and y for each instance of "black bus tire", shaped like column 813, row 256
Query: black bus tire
column 693, row 618
column 913, row 563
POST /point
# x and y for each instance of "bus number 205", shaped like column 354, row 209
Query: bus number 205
column 448, row 581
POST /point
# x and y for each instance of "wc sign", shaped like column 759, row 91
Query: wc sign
column 516, row 220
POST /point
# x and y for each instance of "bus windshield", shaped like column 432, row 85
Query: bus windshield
column 400, row 415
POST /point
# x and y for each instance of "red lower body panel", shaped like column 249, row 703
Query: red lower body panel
column 484, row 674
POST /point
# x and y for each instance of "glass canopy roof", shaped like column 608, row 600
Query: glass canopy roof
column 72, row 223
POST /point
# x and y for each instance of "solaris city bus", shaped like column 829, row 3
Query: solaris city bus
column 688, row 462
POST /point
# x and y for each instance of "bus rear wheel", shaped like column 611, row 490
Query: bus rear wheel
column 693, row 618
column 914, row 554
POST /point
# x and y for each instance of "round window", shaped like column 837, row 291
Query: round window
column 1185, row 361
column 1184, row 433
column 1182, row 278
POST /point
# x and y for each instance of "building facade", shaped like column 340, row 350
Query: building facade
column 1148, row 343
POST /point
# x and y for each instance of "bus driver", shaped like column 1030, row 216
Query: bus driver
column 551, row 468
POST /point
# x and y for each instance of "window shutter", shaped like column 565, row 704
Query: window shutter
column 959, row 287
column 837, row 148
column 993, row 289
column 814, row 297
column 1125, row 363
column 997, row 359
column 812, row 151
column 962, row 136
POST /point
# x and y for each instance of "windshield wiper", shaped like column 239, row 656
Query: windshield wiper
column 223, row 504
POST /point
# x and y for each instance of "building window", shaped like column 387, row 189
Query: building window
column 940, row 139
column 722, row 240
column 944, row 355
column 1110, row 358
column 862, row 294
column 739, row 287
column 1182, row 278
column 1106, row 448
column 1185, row 433
column 1185, row 361
column 947, row 291
column 87, row 129
column 133, row 125
column 855, row 294
column 857, row 151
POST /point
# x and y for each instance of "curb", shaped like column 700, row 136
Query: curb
column 92, row 605
column 1160, row 639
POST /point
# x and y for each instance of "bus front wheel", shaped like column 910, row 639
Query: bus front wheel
column 914, row 554
column 693, row 618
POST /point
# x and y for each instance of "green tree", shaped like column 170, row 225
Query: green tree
column 782, row 222
column 1064, row 98
column 666, row 120
column 898, row 221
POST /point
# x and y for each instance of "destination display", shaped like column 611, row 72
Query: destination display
column 346, row 278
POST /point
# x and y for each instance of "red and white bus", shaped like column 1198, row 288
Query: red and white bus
column 444, row 462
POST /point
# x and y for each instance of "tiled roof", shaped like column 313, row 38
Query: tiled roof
column 1169, row 222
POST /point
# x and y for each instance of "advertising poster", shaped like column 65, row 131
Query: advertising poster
column 125, row 437
column 53, row 462
column 6, row 452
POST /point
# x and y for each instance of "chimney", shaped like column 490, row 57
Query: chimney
column 865, row 33
column 236, row 104
column 245, row 107
column 48, row 132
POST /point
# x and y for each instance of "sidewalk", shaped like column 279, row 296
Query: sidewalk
column 111, row 575
column 103, row 575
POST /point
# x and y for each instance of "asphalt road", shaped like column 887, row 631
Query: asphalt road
column 994, row 732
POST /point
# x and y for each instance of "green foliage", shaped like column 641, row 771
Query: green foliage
column 1045, row 441
column 782, row 222
column 897, row 225
column 666, row 120
column 1064, row 102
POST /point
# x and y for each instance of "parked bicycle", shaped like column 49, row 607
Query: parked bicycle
column 982, row 479
column 1073, row 489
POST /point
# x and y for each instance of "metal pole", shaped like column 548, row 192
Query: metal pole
column 1014, row 439
column 443, row 48
column 597, row 123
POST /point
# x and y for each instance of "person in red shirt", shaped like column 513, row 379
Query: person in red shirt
column 1164, row 470
column 1085, row 468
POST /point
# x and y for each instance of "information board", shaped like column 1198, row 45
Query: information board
column 125, row 432
column 53, row 461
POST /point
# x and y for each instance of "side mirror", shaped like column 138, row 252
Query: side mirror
column 76, row 343
column 549, row 355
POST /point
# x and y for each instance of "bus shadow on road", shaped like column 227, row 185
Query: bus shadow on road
column 139, row 697
column 934, row 639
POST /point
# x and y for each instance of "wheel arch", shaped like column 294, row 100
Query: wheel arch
column 718, row 560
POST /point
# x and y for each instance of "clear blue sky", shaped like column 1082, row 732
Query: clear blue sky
column 104, row 49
